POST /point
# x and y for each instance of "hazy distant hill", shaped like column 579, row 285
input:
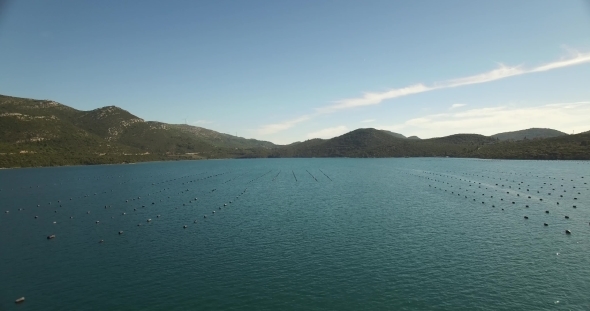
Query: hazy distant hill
column 413, row 137
column 532, row 133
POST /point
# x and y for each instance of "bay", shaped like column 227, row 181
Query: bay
column 311, row 234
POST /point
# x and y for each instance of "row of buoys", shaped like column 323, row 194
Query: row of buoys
column 106, row 206
column 483, row 194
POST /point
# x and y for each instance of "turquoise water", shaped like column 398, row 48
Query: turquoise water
column 299, row 234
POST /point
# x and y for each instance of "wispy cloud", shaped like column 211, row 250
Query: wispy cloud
column 368, row 121
column 501, row 72
column 492, row 120
column 375, row 98
column 277, row 127
column 328, row 132
column 455, row 106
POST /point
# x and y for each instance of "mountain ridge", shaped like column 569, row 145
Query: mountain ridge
column 47, row 133
column 530, row 133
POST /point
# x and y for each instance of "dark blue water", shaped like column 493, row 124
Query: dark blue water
column 299, row 234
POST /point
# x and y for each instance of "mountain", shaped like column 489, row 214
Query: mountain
column 47, row 133
column 375, row 143
column 400, row 135
column 394, row 134
column 532, row 133
column 44, row 132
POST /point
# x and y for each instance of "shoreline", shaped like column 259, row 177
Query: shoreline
column 272, row 158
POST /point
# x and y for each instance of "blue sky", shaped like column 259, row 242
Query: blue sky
column 288, row 71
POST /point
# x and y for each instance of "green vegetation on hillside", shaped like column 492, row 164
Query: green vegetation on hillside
column 46, row 133
column 532, row 133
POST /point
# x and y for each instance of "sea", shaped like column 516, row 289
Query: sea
column 297, row 234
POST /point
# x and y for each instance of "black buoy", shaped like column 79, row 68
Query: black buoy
column 568, row 232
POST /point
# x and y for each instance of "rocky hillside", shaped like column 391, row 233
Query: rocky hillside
column 50, row 133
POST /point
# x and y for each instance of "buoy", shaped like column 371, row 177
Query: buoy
column 568, row 232
column 526, row 217
column 185, row 226
column 19, row 300
column 567, row 217
column 545, row 224
column 100, row 241
column 120, row 232
column 51, row 237
column 149, row 220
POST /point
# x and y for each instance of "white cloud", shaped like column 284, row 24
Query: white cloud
column 368, row 121
column 455, row 106
column 491, row 120
column 375, row 98
column 328, row 132
column 501, row 72
column 577, row 59
column 277, row 127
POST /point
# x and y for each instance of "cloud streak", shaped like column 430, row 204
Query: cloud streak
column 278, row 127
column 497, row 74
column 376, row 98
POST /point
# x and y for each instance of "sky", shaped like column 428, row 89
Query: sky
column 286, row 71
